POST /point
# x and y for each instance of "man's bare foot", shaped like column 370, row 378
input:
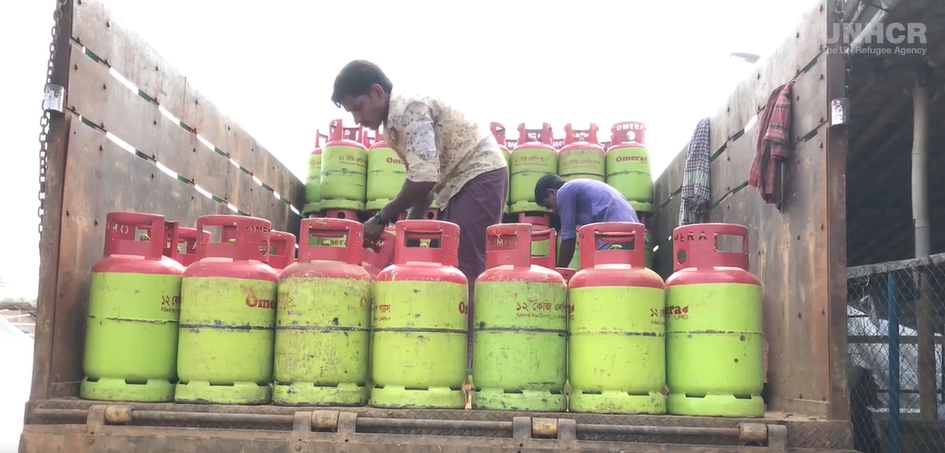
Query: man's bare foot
column 468, row 392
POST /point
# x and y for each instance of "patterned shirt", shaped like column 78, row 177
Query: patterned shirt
column 439, row 143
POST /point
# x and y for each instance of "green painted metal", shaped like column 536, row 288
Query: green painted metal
column 322, row 339
column 578, row 163
column 226, row 340
column 131, row 337
column 520, row 336
column 343, row 177
column 386, row 175
column 418, row 357
column 527, row 165
column 617, row 353
column 628, row 171
column 313, row 183
column 715, row 346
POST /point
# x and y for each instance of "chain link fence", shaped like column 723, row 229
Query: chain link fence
column 894, row 334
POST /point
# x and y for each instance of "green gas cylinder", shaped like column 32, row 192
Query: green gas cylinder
column 520, row 326
column 628, row 165
column 533, row 158
column 419, row 329
column 344, row 169
column 386, row 175
column 714, row 342
column 228, row 315
column 131, row 326
column 618, row 362
column 581, row 157
column 323, row 321
column 498, row 131
column 313, row 181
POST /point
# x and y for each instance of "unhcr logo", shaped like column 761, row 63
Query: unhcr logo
column 882, row 39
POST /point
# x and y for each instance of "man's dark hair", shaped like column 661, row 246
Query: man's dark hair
column 357, row 78
column 549, row 181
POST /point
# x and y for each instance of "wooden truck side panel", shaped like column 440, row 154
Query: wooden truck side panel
column 135, row 135
column 799, row 252
column 187, row 162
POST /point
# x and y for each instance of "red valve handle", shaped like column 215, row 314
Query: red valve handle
column 698, row 246
column 189, row 237
column 588, row 135
column 508, row 244
column 281, row 249
column 320, row 138
column 446, row 233
column 566, row 272
column 120, row 229
column 543, row 135
column 612, row 232
column 498, row 131
column 366, row 138
column 540, row 234
column 171, row 239
column 327, row 227
column 627, row 132
column 337, row 131
column 243, row 238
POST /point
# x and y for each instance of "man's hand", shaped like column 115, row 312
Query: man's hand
column 373, row 229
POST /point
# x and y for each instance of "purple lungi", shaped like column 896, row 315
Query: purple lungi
column 479, row 204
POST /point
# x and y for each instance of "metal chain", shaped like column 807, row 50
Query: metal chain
column 44, row 120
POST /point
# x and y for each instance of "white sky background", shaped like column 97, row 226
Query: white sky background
column 271, row 65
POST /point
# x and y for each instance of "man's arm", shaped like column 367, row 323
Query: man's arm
column 421, row 159
column 567, row 213
column 421, row 207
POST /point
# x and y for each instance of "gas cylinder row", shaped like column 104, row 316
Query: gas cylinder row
column 629, row 342
column 139, row 334
column 349, row 171
column 623, row 163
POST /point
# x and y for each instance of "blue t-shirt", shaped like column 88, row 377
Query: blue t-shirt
column 584, row 201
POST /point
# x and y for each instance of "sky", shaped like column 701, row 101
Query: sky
column 270, row 66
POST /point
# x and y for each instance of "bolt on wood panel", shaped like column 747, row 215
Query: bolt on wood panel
column 135, row 60
column 102, row 177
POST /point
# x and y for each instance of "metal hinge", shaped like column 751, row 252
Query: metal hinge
column 54, row 97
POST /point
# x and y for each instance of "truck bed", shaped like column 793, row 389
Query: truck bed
column 74, row 425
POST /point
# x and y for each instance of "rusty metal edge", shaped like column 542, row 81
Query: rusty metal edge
column 58, row 136
column 835, row 217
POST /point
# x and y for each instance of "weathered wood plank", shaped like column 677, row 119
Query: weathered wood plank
column 669, row 181
column 788, row 60
column 809, row 110
column 103, row 100
column 47, row 296
column 835, row 229
column 102, row 177
column 132, row 57
column 787, row 255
